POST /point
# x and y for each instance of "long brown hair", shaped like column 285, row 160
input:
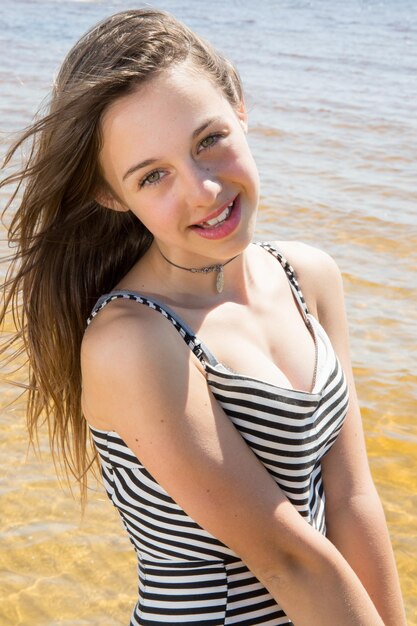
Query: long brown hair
column 69, row 249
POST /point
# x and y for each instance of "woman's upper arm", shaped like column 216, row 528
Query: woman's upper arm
column 144, row 383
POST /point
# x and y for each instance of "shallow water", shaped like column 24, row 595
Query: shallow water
column 331, row 88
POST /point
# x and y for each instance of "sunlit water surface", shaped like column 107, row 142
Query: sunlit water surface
column 331, row 88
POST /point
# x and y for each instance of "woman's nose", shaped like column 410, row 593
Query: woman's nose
column 201, row 185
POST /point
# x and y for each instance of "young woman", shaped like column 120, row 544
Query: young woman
column 213, row 377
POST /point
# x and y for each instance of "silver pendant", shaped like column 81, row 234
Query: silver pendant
column 220, row 280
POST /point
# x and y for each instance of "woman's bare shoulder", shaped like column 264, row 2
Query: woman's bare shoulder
column 127, row 344
column 317, row 272
column 116, row 327
column 306, row 258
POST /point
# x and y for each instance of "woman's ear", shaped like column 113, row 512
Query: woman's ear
column 242, row 115
column 107, row 199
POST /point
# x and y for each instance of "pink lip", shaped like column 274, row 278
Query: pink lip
column 214, row 214
column 225, row 228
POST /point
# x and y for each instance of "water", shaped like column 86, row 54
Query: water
column 331, row 89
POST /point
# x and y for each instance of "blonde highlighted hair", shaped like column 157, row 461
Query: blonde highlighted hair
column 68, row 249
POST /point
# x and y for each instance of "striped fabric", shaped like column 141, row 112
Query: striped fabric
column 187, row 576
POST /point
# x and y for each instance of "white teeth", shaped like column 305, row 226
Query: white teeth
column 220, row 218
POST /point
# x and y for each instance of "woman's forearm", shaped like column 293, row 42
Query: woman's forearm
column 319, row 588
column 359, row 531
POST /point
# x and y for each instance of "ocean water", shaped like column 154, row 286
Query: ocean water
column 331, row 88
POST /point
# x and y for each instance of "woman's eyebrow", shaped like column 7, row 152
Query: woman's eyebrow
column 203, row 126
column 148, row 162
column 138, row 166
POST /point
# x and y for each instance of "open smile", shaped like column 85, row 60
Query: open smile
column 217, row 219
column 221, row 223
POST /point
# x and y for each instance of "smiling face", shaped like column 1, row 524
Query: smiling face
column 175, row 153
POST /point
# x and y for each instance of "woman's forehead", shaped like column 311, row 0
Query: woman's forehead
column 177, row 94
column 160, row 118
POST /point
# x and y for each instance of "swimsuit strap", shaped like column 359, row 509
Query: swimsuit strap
column 290, row 272
column 197, row 347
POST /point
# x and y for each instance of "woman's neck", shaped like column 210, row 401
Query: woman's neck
column 208, row 282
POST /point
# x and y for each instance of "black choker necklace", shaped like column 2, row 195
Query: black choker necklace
column 205, row 270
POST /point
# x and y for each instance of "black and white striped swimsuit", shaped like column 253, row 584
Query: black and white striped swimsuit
column 186, row 575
